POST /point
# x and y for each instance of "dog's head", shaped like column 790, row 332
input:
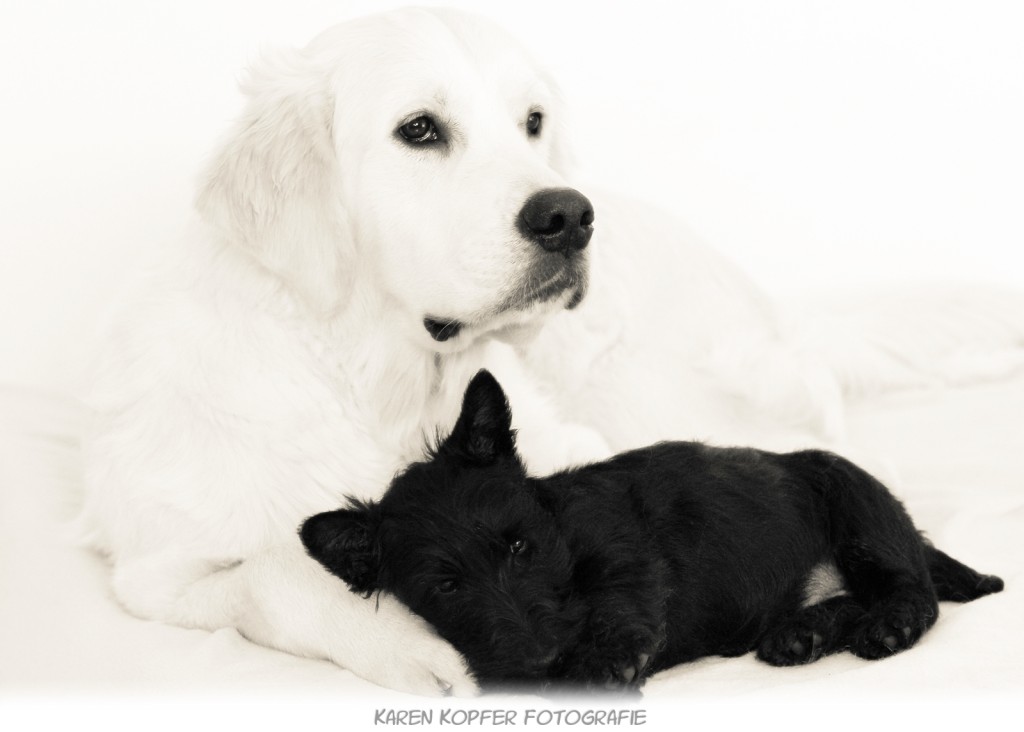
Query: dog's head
column 463, row 540
column 418, row 152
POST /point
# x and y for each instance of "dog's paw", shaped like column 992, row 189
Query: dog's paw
column 403, row 653
column 792, row 645
column 565, row 446
column 811, row 632
column 581, row 445
column 890, row 628
column 433, row 669
column 627, row 674
column 604, row 671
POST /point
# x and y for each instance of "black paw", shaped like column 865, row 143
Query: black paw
column 989, row 584
column 621, row 672
column 629, row 674
column 792, row 645
column 810, row 633
column 890, row 628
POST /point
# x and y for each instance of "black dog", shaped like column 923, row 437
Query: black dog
column 601, row 575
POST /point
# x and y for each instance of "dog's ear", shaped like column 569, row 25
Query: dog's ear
column 272, row 189
column 483, row 432
column 345, row 542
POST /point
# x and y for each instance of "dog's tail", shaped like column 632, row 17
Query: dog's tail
column 936, row 335
column 957, row 582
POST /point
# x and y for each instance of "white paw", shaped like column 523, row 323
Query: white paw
column 566, row 445
column 582, row 445
column 431, row 669
column 404, row 654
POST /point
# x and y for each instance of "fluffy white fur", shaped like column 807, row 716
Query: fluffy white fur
column 279, row 361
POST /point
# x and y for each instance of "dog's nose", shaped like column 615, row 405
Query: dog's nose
column 559, row 219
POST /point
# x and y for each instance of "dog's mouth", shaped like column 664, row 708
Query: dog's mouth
column 441, row 329
column 545, row 285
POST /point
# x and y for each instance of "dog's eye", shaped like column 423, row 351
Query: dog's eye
column 420, row 130
column 517, row 546
column 447, row 587
column 533, row 123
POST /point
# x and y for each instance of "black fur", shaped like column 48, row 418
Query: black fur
column 601, row 575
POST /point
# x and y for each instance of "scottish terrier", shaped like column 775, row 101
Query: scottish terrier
column 601, row 575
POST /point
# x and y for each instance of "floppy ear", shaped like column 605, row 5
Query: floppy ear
column 483, row 432
column 345, row 542
column 272, row 189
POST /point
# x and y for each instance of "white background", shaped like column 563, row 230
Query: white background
column 822, row 145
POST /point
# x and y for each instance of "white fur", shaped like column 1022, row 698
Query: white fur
column 278, row 361
column 824, row 581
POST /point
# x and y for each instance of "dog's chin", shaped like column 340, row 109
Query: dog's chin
column 516, row 317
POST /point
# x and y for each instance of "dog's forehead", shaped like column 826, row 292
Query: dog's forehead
column 428, row 497
column 431, row 54
column 444, row 484
column 445, row 33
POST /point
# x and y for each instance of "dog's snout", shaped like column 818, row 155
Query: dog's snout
column 558, row 219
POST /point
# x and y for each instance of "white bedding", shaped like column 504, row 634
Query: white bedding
column 960, row 455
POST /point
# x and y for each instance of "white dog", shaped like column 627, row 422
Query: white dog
column 389, row 215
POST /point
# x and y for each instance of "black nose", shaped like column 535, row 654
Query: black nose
column 559, row 219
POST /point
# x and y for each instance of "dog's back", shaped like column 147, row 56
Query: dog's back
column 734, row 532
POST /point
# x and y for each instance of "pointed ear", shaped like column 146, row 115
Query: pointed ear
column 272, row 189
column 483, row 431
column 345, row 543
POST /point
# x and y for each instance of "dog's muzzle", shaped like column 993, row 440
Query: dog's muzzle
column 560, row 221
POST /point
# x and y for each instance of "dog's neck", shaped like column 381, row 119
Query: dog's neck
column 400, row 392
column 375, row 353
column 408, row 392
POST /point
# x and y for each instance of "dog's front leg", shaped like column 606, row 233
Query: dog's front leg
column 625, row 627
column 614, row 653
column 283, row 599
column 545, row 439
